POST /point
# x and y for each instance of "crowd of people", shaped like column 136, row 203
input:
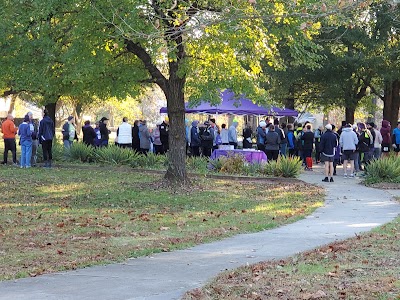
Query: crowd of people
column 351, row 145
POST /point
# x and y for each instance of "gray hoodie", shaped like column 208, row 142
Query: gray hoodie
column 144, row 137
column 348, row 139
column 232, row 133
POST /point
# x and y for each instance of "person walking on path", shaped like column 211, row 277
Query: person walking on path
column 348, row 141
column 9, row 131
column 327, row 146
column 124, row 134
column 272, row 142
column 232, row 134
column 24, row 131
column 46, row 135
column 35, row 142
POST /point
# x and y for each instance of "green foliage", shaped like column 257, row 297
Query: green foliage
column 197, row 164
column 283, row 167
column 150, row 161
column 58, row 152
column 233, row 164
column 115, row 155
column 385, row 169
column 81, row 152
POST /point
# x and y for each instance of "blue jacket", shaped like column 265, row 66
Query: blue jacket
column 328, row 144
column 24, row 131
column 194, row 137
column 261, row 135
column 46, row 129
column 291, row 139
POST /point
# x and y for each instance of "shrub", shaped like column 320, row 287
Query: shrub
column 81, row 152
column 217, row 164
column 197, row 164
column 115, row 155
column 386, row 169
column 283, row 167
column 150, row 160
column 233, row 164
column 57, row 151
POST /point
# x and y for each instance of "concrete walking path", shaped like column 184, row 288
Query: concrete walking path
column 350, row 208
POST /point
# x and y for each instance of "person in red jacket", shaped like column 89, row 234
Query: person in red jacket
column 9, row 131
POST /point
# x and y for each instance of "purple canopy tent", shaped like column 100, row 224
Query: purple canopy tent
column 241, row 106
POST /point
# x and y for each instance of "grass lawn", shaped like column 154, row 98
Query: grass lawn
column 365, row 267
column 67, row 218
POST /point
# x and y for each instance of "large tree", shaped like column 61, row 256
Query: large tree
column 191, row 49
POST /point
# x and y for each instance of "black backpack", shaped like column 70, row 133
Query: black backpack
column 206, row 135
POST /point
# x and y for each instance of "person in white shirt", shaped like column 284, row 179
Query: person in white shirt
column 124, row 134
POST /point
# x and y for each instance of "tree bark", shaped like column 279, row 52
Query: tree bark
column 176, row 172
column 349, row 114
column 12, row 103
column 391, row 100
column 51, row 108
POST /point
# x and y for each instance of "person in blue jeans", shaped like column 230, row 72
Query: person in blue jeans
column 24, row 131
column 396, row 139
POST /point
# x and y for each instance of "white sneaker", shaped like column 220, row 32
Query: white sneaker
column 351, row 175
column 345, row 175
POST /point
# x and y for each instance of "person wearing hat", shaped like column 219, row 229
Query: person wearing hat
column 261, row 135
column 69, row 134
column 24, row 131
column 104, row 132
column 327, row 147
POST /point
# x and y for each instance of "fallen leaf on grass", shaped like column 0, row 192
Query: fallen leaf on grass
column 163, row 228
column 79, row 238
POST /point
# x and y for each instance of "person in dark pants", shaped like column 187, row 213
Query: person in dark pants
column 308, row 143
column 261, row 134
column 247, row 133
column 317, row 140
column 46, row 135
column 105, row 133
column 272, row 142
column 9, row 131
column 195, row 141
column 135, row 136
column 206, row 138
column 89, row 135
column 164, row 135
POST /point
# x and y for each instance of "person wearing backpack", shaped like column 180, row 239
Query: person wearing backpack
column 299, row 143
column 195, row 141
column 364, row 143
column 307, row 139
column 207, row 139
column 386, row 139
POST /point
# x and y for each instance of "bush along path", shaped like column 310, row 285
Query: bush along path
column 350, row 208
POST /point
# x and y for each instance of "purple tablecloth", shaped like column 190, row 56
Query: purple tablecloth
column 251, row 156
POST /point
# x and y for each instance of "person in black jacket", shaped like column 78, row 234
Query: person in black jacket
column 308, row 144
column 135, row 136
column 46, row 135
column 105, row 133
column 89, row 134
column 164, row 135
column 327, row 148
column 247, row 133
column 207, row 138
column 195, row 141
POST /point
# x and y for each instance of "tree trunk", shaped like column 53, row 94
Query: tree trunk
column 12, row 103
column 391, row 100
column 289, row 103
column 51, row 108
column 176, row 172
column 350, row 114
column 78, row 118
